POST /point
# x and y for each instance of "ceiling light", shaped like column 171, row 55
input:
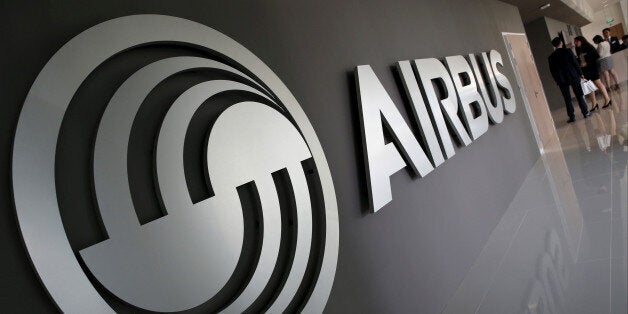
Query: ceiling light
column 545, row 6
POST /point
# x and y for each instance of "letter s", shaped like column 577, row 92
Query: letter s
column 508, row 98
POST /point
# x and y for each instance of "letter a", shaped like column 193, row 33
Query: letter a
column 383, row 160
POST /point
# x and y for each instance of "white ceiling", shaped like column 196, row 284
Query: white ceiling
column 598, row 5
column 530, row 10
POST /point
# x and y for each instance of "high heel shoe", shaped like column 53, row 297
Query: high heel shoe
column 594, row 108
column 607, row 105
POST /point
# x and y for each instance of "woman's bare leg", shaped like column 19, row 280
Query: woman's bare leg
column 614, row 76
column 593, row 100
column 602, row 90
column 607, row 79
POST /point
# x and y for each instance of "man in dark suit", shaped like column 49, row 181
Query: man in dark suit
column 612, row 40
column 624, row 42
column 566, row 72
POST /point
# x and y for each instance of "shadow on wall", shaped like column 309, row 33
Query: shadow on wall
column 357, row 144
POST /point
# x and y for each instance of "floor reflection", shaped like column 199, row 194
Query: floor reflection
column 561, row 245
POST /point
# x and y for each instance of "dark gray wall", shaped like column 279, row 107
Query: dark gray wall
column 541, row 47
column 412, row 254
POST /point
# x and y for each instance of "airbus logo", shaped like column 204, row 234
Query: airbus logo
column 454, row 105
column 277, row 252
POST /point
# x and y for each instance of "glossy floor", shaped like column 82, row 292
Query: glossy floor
column 561, row 245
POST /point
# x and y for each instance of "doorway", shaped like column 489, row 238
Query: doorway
column 532, row 91
column 617, row 30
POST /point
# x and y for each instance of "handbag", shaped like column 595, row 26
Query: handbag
column 587, row 87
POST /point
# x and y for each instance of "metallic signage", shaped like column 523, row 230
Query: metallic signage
column 452, row 97
column 183, row 259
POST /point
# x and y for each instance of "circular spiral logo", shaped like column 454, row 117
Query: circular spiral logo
column 243, row 214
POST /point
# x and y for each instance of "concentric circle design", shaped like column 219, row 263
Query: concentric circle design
column 186, row 257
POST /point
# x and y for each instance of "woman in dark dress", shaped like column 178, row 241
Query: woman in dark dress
column 591, row 69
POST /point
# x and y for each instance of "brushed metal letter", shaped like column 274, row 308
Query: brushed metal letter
column 495, row 110
column 426, row 129
column 468, row 94
column 383, row 160
column 431, row 69
column 509, row 102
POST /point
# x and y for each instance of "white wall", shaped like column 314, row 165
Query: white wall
column 555, row 26
column 621, row 64
column 599, row 22
column 624, row 9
